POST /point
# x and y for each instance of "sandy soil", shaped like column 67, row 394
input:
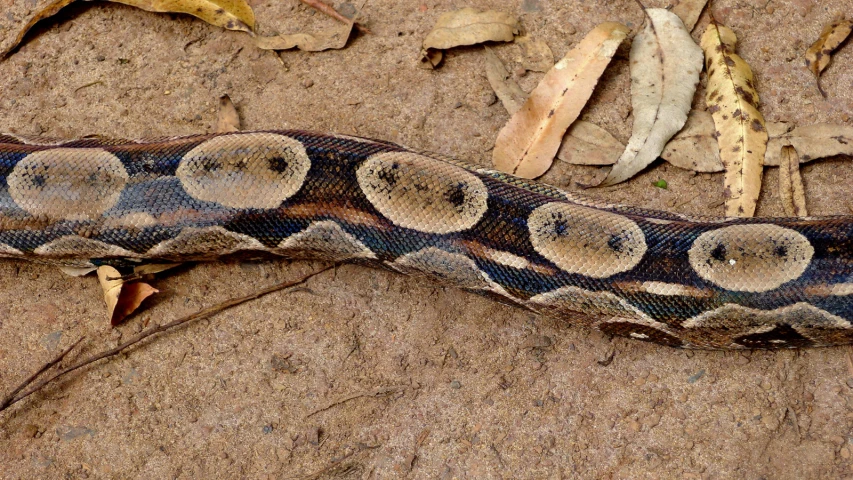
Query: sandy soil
column 364, row 374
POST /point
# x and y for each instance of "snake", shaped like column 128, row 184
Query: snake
column 669, row 278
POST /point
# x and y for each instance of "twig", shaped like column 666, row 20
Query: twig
column 204, row 313
column 9, row 399
column 330, row 11
column 373, row 393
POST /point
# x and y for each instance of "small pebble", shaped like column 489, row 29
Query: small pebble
column 769, row 9
column 455, row 385
column 307, row 83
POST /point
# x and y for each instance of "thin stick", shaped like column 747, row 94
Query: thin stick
column 330, row 11
column 204, row 313
column 9, row 399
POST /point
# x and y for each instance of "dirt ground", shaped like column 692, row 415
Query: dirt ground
column 363, row 373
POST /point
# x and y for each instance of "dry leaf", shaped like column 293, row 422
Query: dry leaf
column 733, row 102
column 695, row 146
column 228, row 119
column 791, row 184
column 586, row 143
column 526, row 145
column 819, row 55
column 230, row 14
column 121, row 298
column 536, row 54
column 812, row 141
column 688, row 11
column 665, row 66
column 467, row 27
column 510, row 94
column 334, row 38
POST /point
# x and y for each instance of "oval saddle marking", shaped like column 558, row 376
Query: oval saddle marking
column 750, row 258
column 246, row 170
column 204, row 242
column 67, row 183
column 585, row 240
column 421, row 193
column 326, row 239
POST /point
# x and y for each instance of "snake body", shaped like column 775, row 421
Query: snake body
column 696, row 282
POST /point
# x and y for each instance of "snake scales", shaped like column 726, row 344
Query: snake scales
column 662, row 277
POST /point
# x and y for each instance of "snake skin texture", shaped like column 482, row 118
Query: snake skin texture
column 667, row 278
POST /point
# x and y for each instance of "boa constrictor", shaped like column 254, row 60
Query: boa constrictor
column 663, row 277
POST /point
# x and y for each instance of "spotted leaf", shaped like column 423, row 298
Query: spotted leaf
column 733, row 103
column 819, row 54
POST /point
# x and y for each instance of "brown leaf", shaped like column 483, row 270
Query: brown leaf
column 510, row 94
column 695, row 146
column 819, row 54
column 230, row 14
column 688, row 11
column 467, row 27
column 121, row 298
column 733, row 102
column 536, row 54
column 228, row 120
column 820, row 140
column 332, row 39
column 791, row 184
column 527, row 144
column 586, row 143
column 665, row 66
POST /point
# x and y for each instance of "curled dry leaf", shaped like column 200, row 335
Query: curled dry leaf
column 665, row 66
column 695, row 146
column 733, row 102
column 791, row 189
column 332, row 39
column 230, row 14
column 227, row 120
column 121, row 298
column 526, row 145
column 819, row 54
column 536, row 54
column 467, row 27
column 688, row 11
column 820, row 140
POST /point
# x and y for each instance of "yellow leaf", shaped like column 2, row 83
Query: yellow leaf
column 791, row 184
column 733, row 102
column 819, row 55
column 467, row 27
column 121, row 298
column 665, row 66
column 528, row 142
column 230, row 14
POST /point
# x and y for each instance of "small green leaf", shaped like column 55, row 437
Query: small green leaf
column 660, row 184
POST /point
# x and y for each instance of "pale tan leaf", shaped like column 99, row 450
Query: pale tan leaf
column 733, row 102
column 121, row 298
column 665, row 66
column 527, row 144
column 791, row 189
column 468, row 27
column 586, row 143
column 536, row 54
column 228, row 120
column 688, row 11
column 695, row 146
column 820, row 140
column 819, row 54
column 509, row 93
column 77, row 271
column 230, row 14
